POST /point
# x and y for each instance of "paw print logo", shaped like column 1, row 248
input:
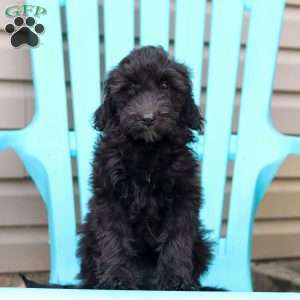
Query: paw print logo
column 24, row 31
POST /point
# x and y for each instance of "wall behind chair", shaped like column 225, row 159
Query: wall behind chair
column 23, row 221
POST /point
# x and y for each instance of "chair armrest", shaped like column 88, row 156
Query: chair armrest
column 294, row 144
column 8, row 138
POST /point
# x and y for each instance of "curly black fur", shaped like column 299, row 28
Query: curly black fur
column 142, row 230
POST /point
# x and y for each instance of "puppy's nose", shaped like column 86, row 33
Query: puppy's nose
column 148, row 119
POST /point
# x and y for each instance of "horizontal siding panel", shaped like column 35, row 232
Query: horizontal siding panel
column 24, row 249
column 10, row 165
column 24, row 206
column 287, row 77
column 293, row 2
column 286, row 112
column 289, row 169
column 288, row 67
column 3, row 5
column 15, row 62
column 276, row 245
column 17, row 97
column 276, row 239
column 12, row 113
column 291, row 28
column 281, row 201
column 16, row 66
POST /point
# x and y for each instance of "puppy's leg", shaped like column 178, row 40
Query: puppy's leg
column 115, row 269
column 112, row 268
column 175, row 265
column 176, row 262
column 106, row 251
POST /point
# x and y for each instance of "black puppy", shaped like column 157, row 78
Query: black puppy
column 143, row 231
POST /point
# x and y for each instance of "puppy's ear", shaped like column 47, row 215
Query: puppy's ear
column 192, row 116
column 103, row 116
column 100, row 117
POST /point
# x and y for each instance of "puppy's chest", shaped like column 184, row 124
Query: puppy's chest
column 147, row 212
column 147, row 207
column 148, row 196
column 149, row 174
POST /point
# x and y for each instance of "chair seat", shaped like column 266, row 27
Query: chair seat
column 59, row 294
column 46, row 146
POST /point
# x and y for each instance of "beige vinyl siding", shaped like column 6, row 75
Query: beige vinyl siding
column 23, row 218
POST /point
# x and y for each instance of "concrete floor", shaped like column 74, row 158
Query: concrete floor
column 277, row 276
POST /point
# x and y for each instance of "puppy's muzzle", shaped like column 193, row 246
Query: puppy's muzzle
column 148, row 119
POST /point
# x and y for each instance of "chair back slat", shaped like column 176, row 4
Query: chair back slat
column 260, row 137
column 224, row 48
column 85, row 85
column 43, row 145
column 260, row 149
column 118, row 30
column 189, row 23
column 154, row 23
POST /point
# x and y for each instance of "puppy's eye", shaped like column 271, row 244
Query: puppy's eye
column 164, row 85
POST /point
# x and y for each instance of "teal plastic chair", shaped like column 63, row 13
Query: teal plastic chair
column 46, row 145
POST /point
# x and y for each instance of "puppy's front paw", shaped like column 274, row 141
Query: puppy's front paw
column 120, row 281
column 178, row 284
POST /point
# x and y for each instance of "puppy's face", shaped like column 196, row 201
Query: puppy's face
column 147, row 97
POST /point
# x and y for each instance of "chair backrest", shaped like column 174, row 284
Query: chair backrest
column 46, row 145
